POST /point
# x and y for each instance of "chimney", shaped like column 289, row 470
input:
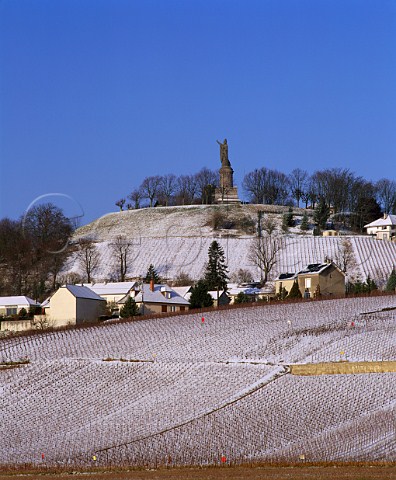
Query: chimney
column 152, row 285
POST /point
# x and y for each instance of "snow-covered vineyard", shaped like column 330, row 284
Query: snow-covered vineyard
column 180, row 391
column 177, row 240
column 173, row 255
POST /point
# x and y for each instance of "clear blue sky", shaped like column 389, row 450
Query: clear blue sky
column 95, row 95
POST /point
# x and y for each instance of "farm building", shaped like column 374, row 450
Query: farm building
column 317, row 278
column 384, row 228
column 156, row 298
column 74, row 305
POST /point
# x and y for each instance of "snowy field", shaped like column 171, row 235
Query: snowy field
column 180, row 391
column 177, row 240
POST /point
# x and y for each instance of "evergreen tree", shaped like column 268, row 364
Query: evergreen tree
column 242, row 298
column 152, row 275
column 391, row 284
column 321, row 214
column 200, row 297
column 282, row 294
column 304, row 223
column 370, row 285
column 295, row 291
column 216, row 270
column 129, row 309
column 287, row 220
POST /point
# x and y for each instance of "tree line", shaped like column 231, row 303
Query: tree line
column 338, row 188
column 33, row 250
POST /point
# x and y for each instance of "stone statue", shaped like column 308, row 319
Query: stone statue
column 224, row 153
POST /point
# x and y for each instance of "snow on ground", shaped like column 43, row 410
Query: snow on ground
column 176, row 391
column 177, row 239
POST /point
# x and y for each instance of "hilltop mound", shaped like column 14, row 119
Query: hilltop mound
column 174, row 391
column 181, row 221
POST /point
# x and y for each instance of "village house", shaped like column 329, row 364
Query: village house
column 316, row 279
column 159, row 298
column 115, row 293
column 73, row 305
column 384, row 228
column 11, row 307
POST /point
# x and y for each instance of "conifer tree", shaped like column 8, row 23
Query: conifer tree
column 322, row 213
column 129, row 309
column 152, row 275
column 391, row 284
column 295, row 291
column 304, row 223
column 216, row 274
column 200, row 297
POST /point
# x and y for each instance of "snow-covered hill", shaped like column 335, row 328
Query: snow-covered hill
column 176, row 239
column 179, row 391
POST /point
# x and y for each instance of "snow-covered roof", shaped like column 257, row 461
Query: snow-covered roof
column 213, row 293
column 287, row 276
column 157, row 297
column 18, row 300
column 308, row 270
column 385, row 221
column 246, row 290
column 111, row 288
column 82, row 292
column 182, row 291
column 314, row 268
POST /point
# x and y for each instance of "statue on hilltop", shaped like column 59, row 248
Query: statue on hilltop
column 224, row 153
column 226, row 192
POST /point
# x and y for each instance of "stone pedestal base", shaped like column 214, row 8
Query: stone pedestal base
column 226, row 195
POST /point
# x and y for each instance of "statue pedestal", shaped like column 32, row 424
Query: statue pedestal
column 226, row 195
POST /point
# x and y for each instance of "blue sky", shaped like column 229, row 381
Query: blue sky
column 95, row 95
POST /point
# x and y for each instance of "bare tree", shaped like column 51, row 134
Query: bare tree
column 298, row 179
column 345, row 258
column 253, row 185
column 120, row 203
column 167, row 187
column 121, row 249
column 89, row 257
column 267, row 186
column 386, row 194
column 242, row 276
column 135, row 196
column 150, row 188
column 264, row 253
column 206, row 181
column 186, row 188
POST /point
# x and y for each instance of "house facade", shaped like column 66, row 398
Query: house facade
column 316, row 279
column 74, row 305
column 159, row 298
column 11, row 306
column 384, row 228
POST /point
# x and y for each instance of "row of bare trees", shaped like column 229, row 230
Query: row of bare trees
column 173, row 190
column 340, row 188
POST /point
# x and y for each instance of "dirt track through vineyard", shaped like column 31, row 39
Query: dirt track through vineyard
column 230, row 473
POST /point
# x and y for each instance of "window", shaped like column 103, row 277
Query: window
column 11, row 310
column 173, row 308
column 307, row 283
column 164, row 308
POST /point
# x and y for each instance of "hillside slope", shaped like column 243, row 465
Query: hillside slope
column 177, row 391
column 176, row 239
